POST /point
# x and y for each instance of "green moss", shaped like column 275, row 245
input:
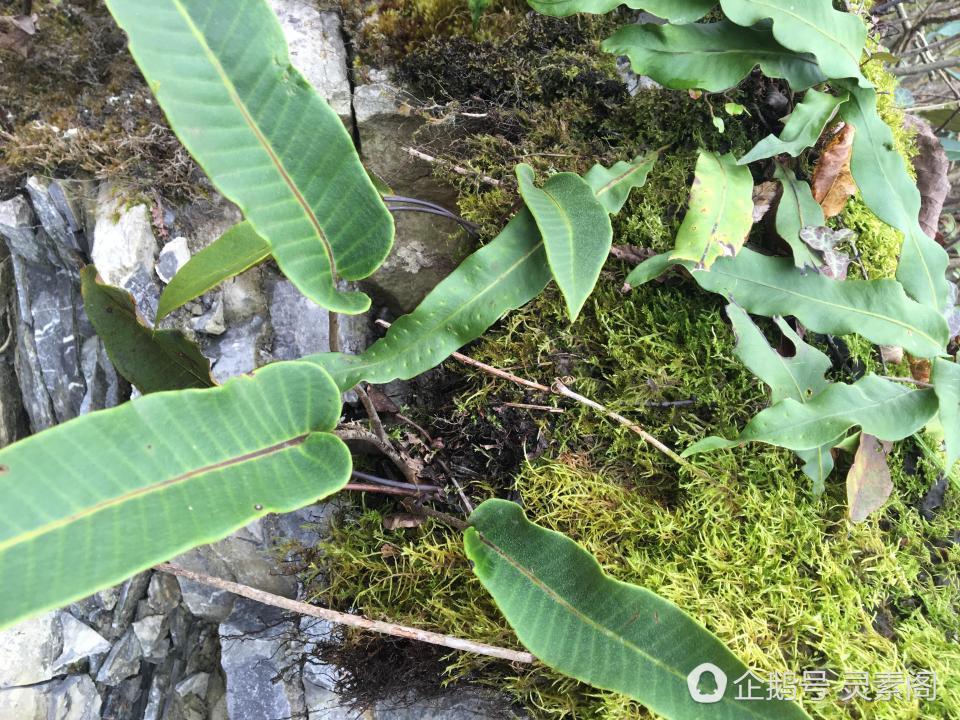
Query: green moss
column 779, row 575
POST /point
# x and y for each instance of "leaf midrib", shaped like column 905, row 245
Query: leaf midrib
column 261, row 138
column 589, row 621
column 87, row 512
column 847, row 308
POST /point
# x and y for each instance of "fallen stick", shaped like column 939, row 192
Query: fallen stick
column 356, row 621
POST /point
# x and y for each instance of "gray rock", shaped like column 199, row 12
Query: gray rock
column 456, row 704
column 100, row 377
column 243, row 297
column 240, row 349
column 130, row 593
column 258, row 648
column 125, row 249
column 74, row 698
column 28, row 651
column 163, row 594
column 28, row 703
column 211, row 322
column 51, row 325
column 123, row 701
column 13, row 420
column 427, row 247
column 173, row 256
column 79, row 642
column 317, row 50
column 122, row 662
column 197, row 684
column 151, row 632
column 241, row 557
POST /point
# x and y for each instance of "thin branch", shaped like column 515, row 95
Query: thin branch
column 381, row 490
column 367, row 437
column 949, row 62
column 372, row 413
column 528, row 406
column 453, row 166
column 356, row 621
column 455, row 523
column 419, row 487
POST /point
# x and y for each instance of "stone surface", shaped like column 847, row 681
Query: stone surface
column 28, row 651
column 427, row 247
column 258, row 650
column 173, row 256
column 317, row 50
column 456, row 704
column 13, row 421
column 240, row 349
column 125, row 249
column 122, row 662
column 74, row 698
column 78, row 641
column 29, row 703
column 163, row 593
column 210, row 321
column 51, row 325
column 151, row 633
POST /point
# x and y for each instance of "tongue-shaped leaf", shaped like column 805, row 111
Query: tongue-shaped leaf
column 710, row 56
column 99, row 498
column 221, row 72
column 613, row 635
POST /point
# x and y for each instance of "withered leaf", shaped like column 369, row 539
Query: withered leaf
column 868, row 482
column 833, row 182
column 764, row 195
column 16, row 33
column 402, row 520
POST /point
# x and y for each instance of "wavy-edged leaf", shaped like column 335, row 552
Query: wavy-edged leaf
column 884, row 409
column 946, row 384
column 503, row 275
column 575, row 228
column 802, row 129
column 797, row 209
column 720, row 213
column 180, row 469
column 868, row 481
column 834, row 37
column 234, row 252
column 675, row 11
column 612, row 185
column 583, row 623
column 800, row 376
column 881, row 174
column 879, row 310
column 222, row 74
column 150, row 360
column 709, row 56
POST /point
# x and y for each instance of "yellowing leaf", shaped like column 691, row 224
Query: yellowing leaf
column 720, row 213
column 833, row 182
column 868, row 482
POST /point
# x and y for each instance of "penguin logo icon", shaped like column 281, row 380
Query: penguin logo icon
column 695, row 678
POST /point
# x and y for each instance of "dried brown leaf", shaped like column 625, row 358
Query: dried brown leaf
column 402, row 520
column 920, row 368
column 764, row 195
column 833, row 182
column 868, row 482
column 932, row 166
column 16, row 33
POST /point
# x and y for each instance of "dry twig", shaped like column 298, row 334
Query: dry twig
column 356, row 621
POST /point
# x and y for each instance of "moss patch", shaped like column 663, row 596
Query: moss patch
column 778, row 574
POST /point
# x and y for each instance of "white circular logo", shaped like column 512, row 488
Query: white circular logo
column 693, row 683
